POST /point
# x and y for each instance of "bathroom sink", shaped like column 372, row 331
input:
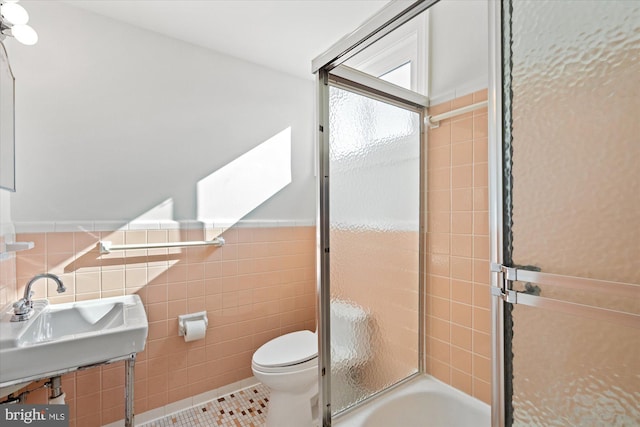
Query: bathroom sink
column 62, row 337
column 61, row 321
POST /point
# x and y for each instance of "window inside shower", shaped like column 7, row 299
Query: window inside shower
column 399, row 58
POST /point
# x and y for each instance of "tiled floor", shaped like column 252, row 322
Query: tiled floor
column 245, row 408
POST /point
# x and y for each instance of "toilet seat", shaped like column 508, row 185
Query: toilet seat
column 309, row 364
column 290, row 352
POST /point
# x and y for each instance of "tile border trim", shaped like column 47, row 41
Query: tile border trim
column 89, row 226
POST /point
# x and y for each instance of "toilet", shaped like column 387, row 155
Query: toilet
column 288, row 365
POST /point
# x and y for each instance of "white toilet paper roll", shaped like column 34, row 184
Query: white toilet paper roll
column 194, row 330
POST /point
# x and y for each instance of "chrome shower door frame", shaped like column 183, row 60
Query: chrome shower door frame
column 371, row 87
column 496, row 226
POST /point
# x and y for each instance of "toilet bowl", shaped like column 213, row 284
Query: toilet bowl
column 288, row 365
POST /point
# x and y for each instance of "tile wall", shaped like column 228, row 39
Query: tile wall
column 259, row 285
column 458, row 321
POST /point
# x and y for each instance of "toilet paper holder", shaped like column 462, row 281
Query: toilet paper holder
column 184, row 318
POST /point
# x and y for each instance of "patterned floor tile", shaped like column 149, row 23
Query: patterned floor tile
column 245, row 408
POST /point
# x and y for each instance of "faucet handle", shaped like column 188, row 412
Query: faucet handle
column 22, row 306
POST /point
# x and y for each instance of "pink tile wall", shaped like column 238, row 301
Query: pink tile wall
column 261, row 284
column 457, row 294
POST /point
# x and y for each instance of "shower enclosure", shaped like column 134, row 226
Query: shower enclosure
column 374, row 151
column 564, row 102
column 370, row 244
column 566, row 212
column 372, row 158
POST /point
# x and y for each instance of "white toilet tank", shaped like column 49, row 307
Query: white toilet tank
column 351, row 332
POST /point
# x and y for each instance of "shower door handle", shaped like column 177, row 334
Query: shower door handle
column 512, row 274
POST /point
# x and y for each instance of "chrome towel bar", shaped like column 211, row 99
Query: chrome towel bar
column 106, row 246
column 434, row 121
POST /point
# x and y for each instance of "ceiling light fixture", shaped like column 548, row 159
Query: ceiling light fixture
column 13, row 23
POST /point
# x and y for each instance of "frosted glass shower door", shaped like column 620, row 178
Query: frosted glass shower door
column 374, row 211
column 573, row 213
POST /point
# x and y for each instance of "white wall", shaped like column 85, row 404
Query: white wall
column 7, row 231
column 458, row 48
column 6, row 226
column 112, row 120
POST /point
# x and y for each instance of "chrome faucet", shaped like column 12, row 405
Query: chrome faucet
column 23, row 308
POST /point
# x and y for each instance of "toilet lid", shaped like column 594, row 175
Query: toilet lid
column 289, row 349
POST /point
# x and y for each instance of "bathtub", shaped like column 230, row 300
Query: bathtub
column 423, row 401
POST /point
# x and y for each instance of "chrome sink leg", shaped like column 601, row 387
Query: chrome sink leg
column 56, row 387
column 129, row 364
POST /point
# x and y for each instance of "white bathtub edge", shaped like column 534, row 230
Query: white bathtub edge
column 421, row 383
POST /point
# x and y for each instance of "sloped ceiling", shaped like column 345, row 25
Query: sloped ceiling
column 281, row 34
